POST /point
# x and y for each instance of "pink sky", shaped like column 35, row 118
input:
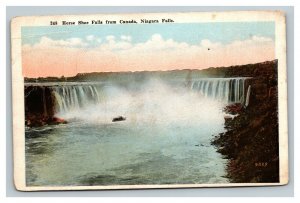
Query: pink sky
column 68, row 57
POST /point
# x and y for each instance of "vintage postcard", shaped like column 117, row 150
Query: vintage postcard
column 149, row 100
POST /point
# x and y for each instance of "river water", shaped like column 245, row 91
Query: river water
column 165, row 138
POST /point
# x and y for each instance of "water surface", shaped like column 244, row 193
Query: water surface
column 165, row 139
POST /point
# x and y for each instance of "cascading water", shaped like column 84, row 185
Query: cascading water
column 229, row 90
column 75, row 96
column 248, row 96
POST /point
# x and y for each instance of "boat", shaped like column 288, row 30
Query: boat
column 119, row 118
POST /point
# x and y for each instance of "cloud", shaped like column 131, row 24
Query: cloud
column 112, row 45
column 90, row 38
column 126, row 38
column 205, row 43
column 110, row 38
column 59, row 57
column 157, row 43
column 99, row 40
column 71, row 42
column 261, row 39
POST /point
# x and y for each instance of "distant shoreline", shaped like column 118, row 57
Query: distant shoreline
column 209, row 72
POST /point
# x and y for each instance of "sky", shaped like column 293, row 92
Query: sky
column 68, row 50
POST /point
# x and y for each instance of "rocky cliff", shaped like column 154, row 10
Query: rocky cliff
column 39, row 106
column 251, row 138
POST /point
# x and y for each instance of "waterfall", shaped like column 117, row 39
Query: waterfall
column 70, row 97
column 248, row 96
column 78, row 95
column 229, row 90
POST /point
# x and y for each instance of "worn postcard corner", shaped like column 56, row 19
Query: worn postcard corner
column 149, row 100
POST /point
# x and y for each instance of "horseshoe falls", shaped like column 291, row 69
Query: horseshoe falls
column 165, row 138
